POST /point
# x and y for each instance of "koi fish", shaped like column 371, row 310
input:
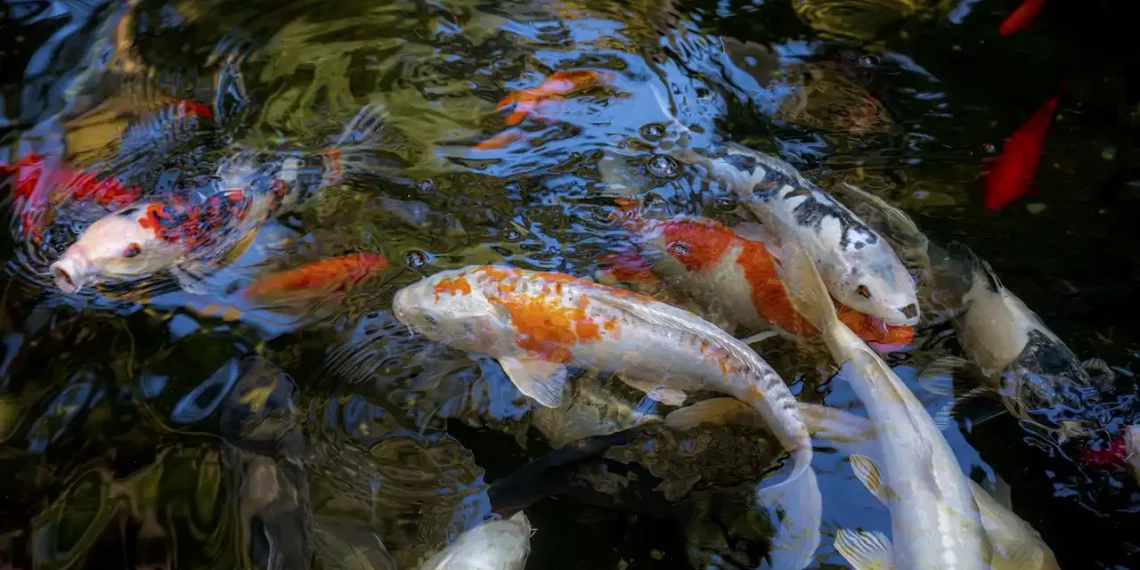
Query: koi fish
column 337, row 274
column 1016, row 545
column 1039, row 378
column 146, row 142
column 1020, row 18
column 39, row 187
column 934, row 519
column 188, row 231
column 535, row 324
column 736, row 276
column 500, row 544
column 1011, row 175
column 859, row 267
column 557, row 86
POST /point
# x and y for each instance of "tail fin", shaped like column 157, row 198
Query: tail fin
column 796, row 510
column 806, row 290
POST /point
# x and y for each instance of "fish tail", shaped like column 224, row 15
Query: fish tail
column 795, row 506
column 806, row 290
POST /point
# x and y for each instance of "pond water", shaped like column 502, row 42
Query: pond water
column 163, row 422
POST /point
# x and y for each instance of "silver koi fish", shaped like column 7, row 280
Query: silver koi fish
column 537, row 323
column 498, row 545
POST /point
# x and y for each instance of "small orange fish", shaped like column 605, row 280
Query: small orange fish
column 1020, row 18
column 737, row 276
column 500, row 140
column 557, row 86
column 336, row 274
column 1011, row 175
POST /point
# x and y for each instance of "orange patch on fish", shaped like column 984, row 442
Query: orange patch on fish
column 768, row 295
column 547, row 328
column 699, row 245
column 558, row 85
column 500, row 140
column 881, row 336
column 456, row 286
column 320, row 277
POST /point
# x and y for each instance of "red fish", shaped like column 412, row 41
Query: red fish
column 1011, row 175
column 1020, row 18
column 318, row 278
column 1114, row 456
column 40, row 187
column 737, row 275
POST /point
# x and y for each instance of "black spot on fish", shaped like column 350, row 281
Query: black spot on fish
column 129, row 212
column 813, row 211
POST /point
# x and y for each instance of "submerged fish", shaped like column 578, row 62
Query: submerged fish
column 318, row 278
column 1020, row 18
column 934, row 519
column 558, row 85
column 1016, row 545
column 1038, row 376
column 536, row 324
column 733, row 274
column 1011, row 175
column 494, row 545
column 42, row 185
column 188, row 232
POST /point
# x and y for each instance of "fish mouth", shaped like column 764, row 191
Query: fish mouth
column 69, row 275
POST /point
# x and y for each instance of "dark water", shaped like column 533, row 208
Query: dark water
column 138, row 431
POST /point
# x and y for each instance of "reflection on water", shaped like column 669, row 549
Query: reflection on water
column 265, row 409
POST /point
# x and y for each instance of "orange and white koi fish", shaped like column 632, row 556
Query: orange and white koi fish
column 324, row 277
column 735, row 277
column 535, row 324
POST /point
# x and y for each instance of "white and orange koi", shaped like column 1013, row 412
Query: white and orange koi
column 734, row 276
column 537, row 323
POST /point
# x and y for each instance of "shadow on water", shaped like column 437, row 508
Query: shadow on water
column 177, row 419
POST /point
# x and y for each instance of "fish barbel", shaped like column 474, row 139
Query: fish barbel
column 537, row 323
column 935, row 521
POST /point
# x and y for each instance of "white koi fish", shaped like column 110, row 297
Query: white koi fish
column 536, row 324
column 934, row 519
column 494, row 545
column 858, row 266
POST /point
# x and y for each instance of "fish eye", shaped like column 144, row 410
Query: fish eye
column 132, row 250
column 679, row 248
column 863, row 291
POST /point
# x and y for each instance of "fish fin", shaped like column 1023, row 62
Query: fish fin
column 835, row 425
column 944, row 417
column 864, row 203
column 867, row 471
column 759, row 337
column 1101, row 369
column 189, row 280
column 752, row 231
column 656, row 392
column 806, row 290
column 981, row 270
column 938, row 376
column 542, row 380
column 865, row 550
column 795, row 507
column 366, row 127
column 1002, row 492
column 718, row 411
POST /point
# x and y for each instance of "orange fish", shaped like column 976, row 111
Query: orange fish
column 500, row 140
column 1020, row 18
column 557, row 86
column 336, row 274
column 735, row 277
column 1011, row 175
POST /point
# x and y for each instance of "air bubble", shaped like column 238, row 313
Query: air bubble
column 662, row 166
column 511, row 235
column 652, row 131
column 869, row 60
column 426, row 186
column 415, row 259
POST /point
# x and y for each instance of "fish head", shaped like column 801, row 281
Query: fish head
column 876, row 283
column 448, row 307
column 117, row 246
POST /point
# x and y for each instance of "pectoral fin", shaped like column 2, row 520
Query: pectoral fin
column 189, row 281
column 868, row 473
column 720, row 411
column 865, row 550
column 657, row 392
column 836, row 425
column 752, row 231
column 542, row 380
